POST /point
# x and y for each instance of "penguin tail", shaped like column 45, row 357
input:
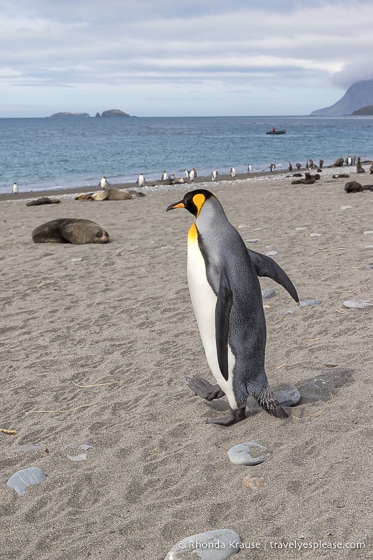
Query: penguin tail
column 267, row 400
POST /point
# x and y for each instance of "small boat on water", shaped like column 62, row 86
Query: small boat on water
column 276, row 132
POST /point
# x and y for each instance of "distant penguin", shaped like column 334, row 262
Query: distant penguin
column 272, row 167
column 321, row 163
column 192, row 174
column 348, row 160
column 104, row 183
column 249, row 167
column 298, row 165
column 214, row 174
column 15, row 188
column 290, row 167
column 164, row 176
column 227, row 301
column 359, row 167
column 233, row 172
column 186, row 173
column 141, row 180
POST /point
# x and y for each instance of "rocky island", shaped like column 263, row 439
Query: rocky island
column 109, row 113
column 113, row 113
column 63, row 114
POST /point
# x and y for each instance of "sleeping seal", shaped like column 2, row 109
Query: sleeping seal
column 70, row 230
column 42, row 200
column 110, row 194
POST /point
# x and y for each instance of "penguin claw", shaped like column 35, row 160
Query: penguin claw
column 233, row 418
column 203, row 388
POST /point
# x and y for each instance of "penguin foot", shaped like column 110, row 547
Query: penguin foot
column 268, row 401
column 203, row 388
column 234, row 417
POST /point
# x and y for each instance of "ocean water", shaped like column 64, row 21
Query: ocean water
column 54, row 153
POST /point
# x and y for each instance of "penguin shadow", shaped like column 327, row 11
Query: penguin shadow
column 312, row 390
column 327, row 383
column 285, row 394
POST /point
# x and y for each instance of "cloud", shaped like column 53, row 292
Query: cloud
column 289, row 45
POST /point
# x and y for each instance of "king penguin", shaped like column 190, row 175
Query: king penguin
column 227, row 301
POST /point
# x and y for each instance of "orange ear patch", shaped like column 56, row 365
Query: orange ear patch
column 199, row 200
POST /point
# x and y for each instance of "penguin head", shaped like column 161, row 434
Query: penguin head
column 192, row 201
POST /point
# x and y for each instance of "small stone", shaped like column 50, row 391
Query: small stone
column 85, row 446
column 268, row 293
column 77, row 259
column 212, row 545
column 300, row 228
column 242, row 226
column 272, row 253
column 25, row 448
column 310, row 302
column 366, row 266
column 81, row 457
column 362, row 304
column 288, row 397
column 252, row 240
column 20, row 480
column 345, row 207
column 240, row 454
column 251, row 482
column 287, row 312
column 368, row 232
column 315, row 234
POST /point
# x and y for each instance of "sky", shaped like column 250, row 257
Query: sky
column 181, row 57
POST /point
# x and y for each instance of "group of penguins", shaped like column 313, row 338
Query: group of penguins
column 191, row 175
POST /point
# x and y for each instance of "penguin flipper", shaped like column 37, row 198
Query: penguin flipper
column 265, row 266
column 204, row 389
column 222, row 317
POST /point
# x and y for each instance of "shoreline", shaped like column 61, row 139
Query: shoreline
column 326, row 173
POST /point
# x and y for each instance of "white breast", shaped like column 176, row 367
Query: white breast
column 204, row 304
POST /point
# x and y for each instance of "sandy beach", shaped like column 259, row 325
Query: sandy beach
column 97, row 341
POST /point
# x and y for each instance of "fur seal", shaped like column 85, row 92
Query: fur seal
column 70, row 230
column 42, row 200
column 353, row 186
column 110, row 194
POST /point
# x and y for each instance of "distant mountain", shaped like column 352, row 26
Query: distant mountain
column 70, row 115
column 364, row 111
column 359, row 95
